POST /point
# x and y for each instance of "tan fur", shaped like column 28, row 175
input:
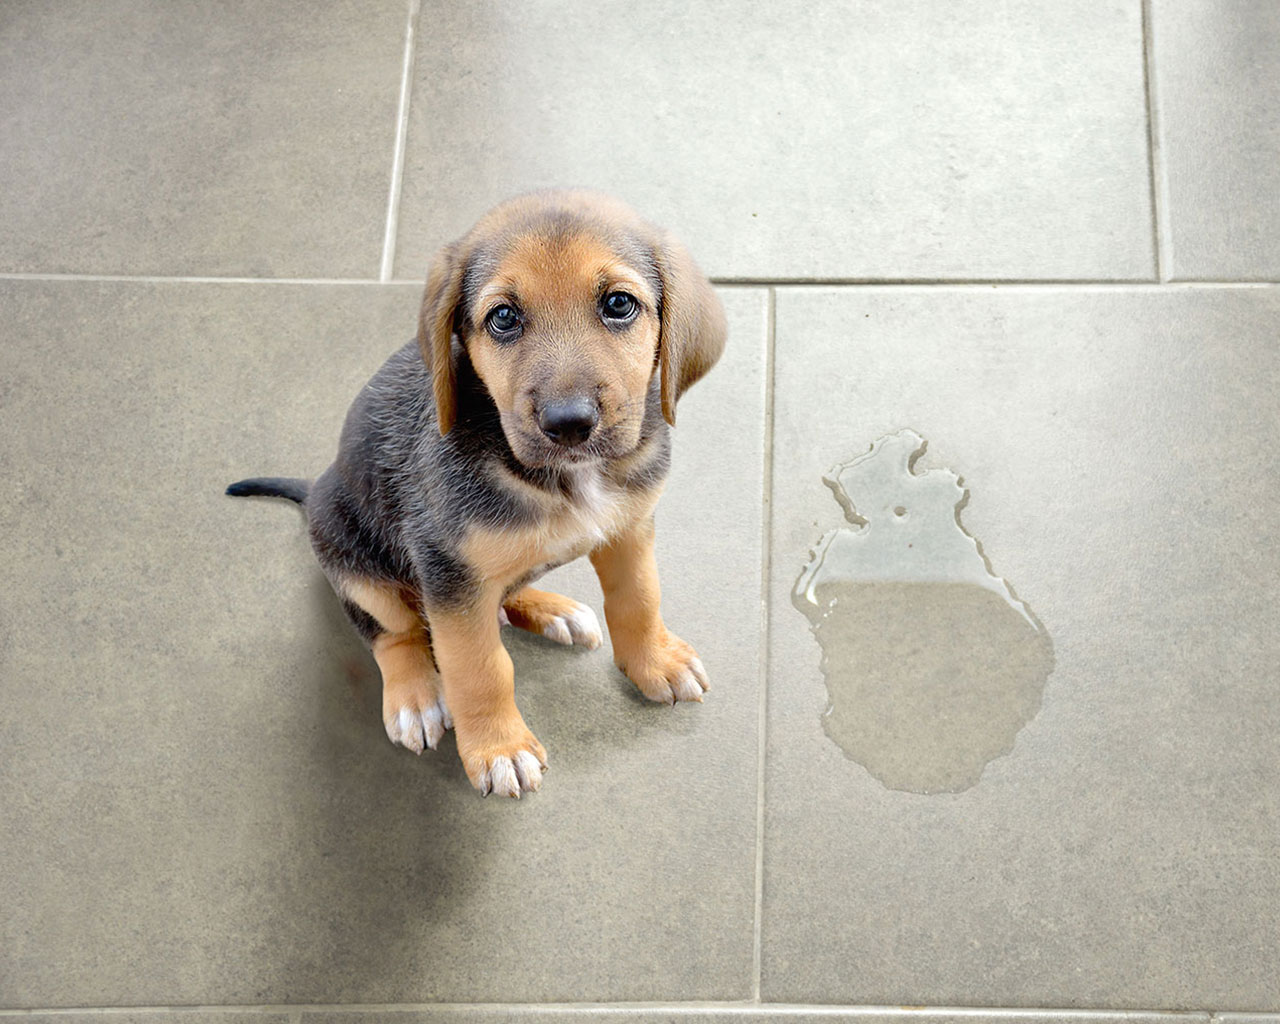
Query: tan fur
column 435, row 332
column 479, row 687
column 403, row 653
column 534, row 610
column 383, row 601
column 693, row 325
column 557, row 280
column 565, row 347
column 571, row 530
column 651, row 656
column 409, row 677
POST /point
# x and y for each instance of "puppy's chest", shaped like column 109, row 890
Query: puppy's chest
column 585, row 514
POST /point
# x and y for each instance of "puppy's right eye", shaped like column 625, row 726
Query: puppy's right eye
column 503, row 323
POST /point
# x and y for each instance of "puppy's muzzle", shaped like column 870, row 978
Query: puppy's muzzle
column 570, row 422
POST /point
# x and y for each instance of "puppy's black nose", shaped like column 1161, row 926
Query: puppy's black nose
column 569, row 423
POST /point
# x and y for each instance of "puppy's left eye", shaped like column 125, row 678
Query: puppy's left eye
column 503, row 323
column 619, row 307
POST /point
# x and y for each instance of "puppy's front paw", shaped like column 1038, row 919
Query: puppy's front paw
column 506, row 767
column 666, row 669
column 414, row 714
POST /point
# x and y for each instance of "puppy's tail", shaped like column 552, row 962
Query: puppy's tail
column 272, row 487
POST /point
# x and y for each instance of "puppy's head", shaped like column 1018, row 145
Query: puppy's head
column 567, row 305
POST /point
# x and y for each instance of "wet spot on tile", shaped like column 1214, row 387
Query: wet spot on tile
column 932, row 662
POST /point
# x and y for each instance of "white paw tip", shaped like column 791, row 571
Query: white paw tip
column 433, row 726
column 558, row 630
column 405, row 730
column 686, row 687
column 503, row 778
column 585, row 627
column 529, row 771
column 503, row 618
column 699, row 673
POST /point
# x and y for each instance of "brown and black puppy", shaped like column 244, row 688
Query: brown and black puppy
column 526, row 427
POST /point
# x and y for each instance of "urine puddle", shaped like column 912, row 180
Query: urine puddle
column 932, row 662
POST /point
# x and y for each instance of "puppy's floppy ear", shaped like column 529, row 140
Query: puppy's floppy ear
column 436, row 327
column 693, row 329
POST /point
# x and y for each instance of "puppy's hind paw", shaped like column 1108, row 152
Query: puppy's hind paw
column 554, row 616
column 579, row 626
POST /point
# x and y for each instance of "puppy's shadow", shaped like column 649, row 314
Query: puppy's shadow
column 579, row 701
column 369, row 873
column 385, row 847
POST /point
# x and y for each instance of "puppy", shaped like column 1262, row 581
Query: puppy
column 526, row 427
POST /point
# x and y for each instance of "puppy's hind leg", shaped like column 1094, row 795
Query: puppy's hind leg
column 413, row 708
column 554, row 616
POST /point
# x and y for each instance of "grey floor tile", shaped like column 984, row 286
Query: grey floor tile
column 200, row 803
column 1120, row 450
column 1217, row 80
column 846, row 140
column 244, row 139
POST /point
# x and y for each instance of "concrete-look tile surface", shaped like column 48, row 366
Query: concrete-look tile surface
column 1119, row 446
column 150, row 137
column 1217, row 86
column 909, row 140
column 201, row 805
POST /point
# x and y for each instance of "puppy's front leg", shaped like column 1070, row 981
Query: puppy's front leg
column 498, row 751
column 663, row 666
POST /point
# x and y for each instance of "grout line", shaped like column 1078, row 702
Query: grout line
column 711, row 1008
column 923, row 282
column 766, row 572
column 1160, row 227
column 169, row 1011
column 147, row 279
column 397, row 159
column 1082, row 285
column 772, row 283
column 965, row 282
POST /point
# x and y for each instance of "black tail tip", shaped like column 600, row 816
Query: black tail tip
column 271, row 487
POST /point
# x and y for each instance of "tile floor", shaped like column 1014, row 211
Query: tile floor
column 1042, row 236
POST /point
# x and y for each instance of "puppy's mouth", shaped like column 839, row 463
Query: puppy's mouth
column 535, row 450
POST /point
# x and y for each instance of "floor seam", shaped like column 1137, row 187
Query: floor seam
column 296, row 1011
column 195, row 279
column 771, row 283
column 1161, row 235
column 397, row 157
column 766, row 572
